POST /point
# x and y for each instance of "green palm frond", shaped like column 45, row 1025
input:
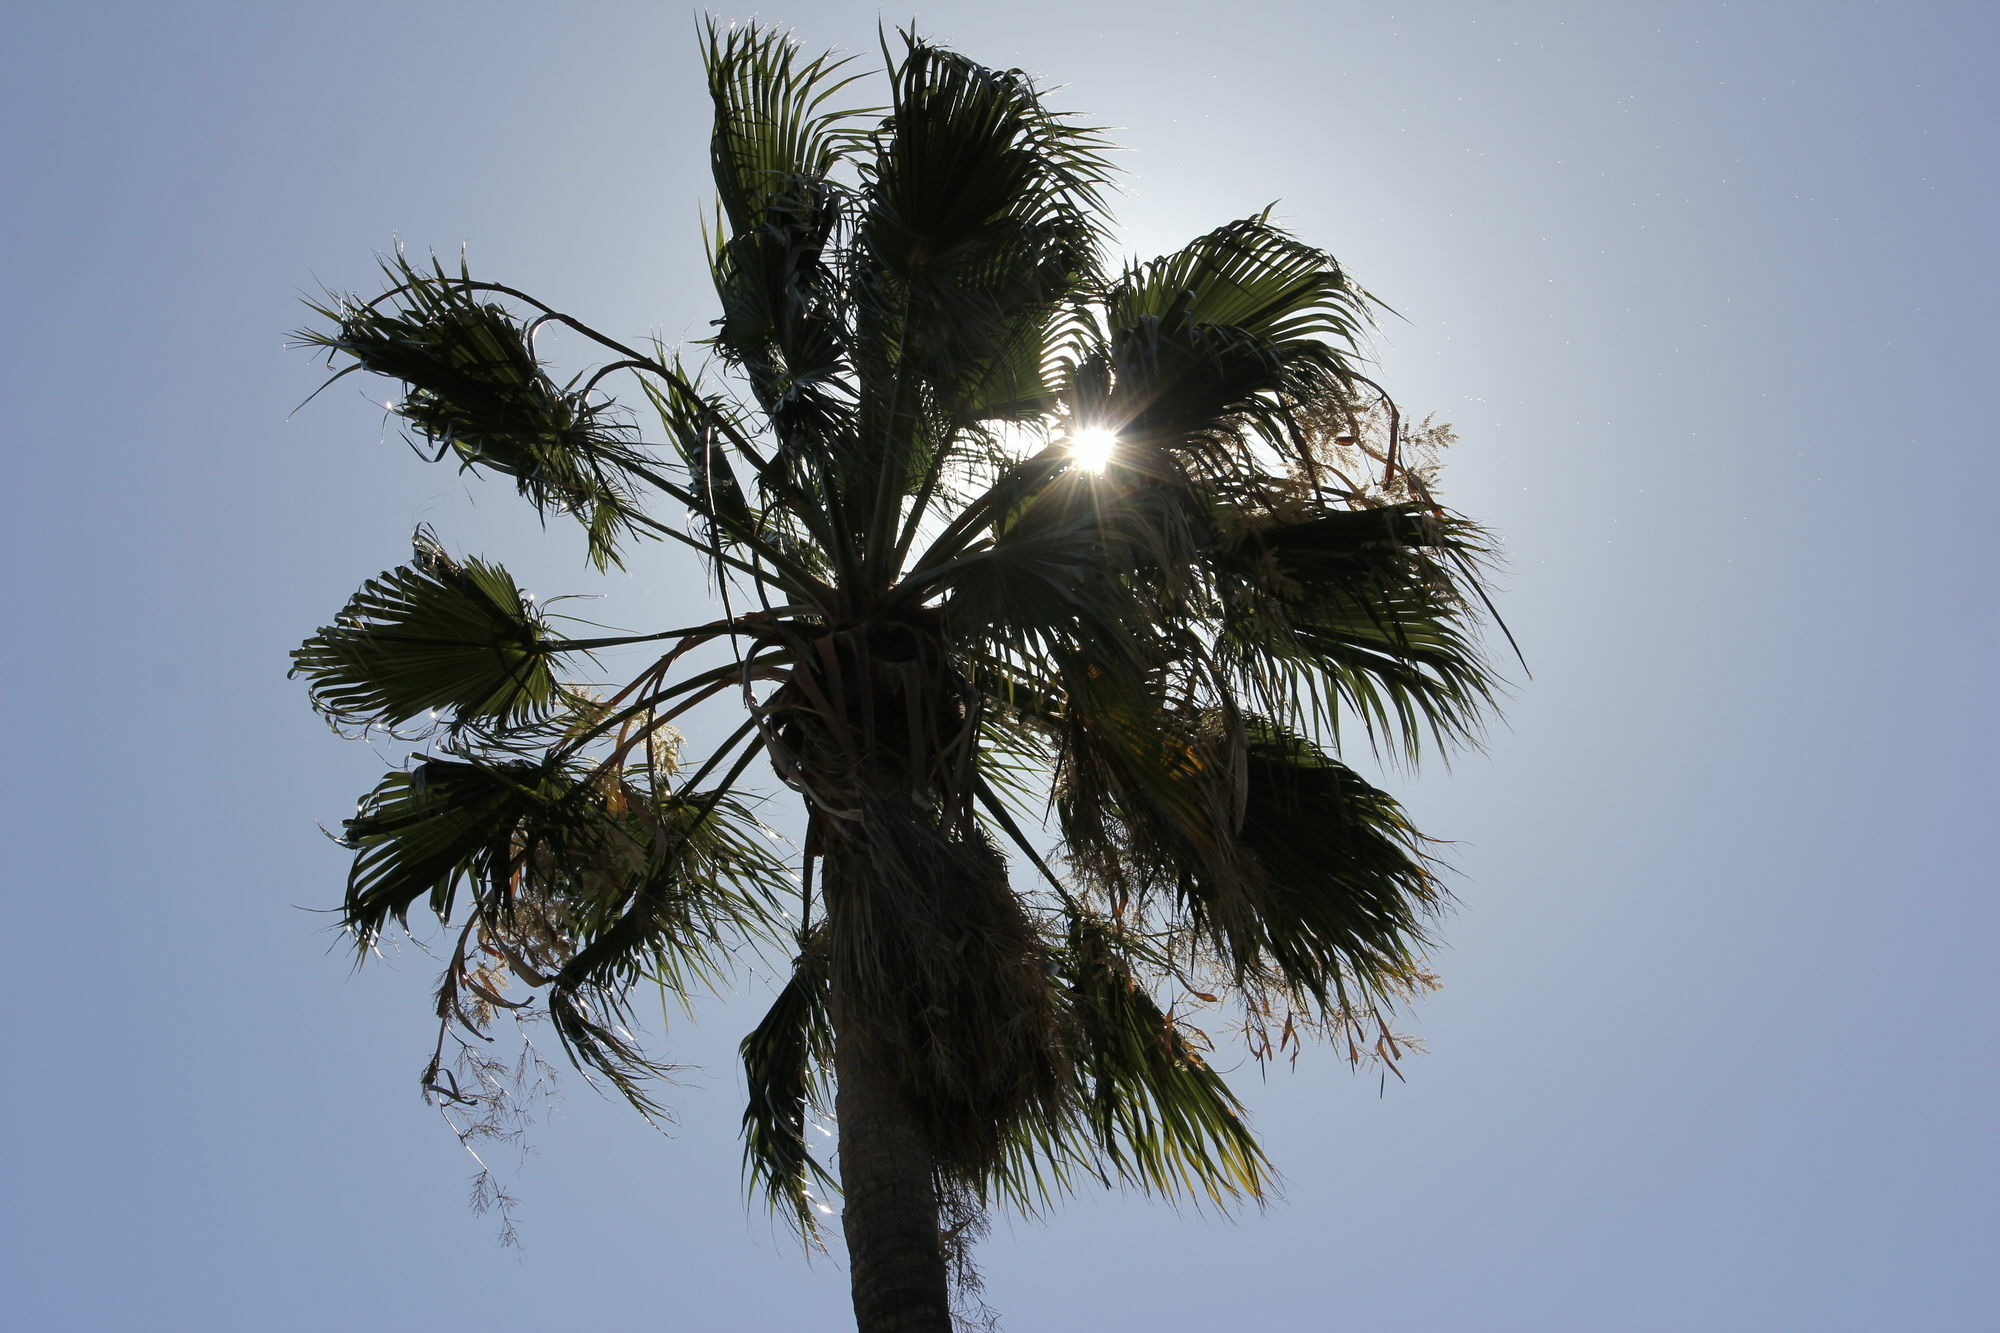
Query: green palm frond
column 1223, row 340
column 693, row 423
column 1022, row 381
column 773, row 124
column 1146, row 794
column 785, row 1059
column 703, row 875
column 1145, row 1108
column 1367, row 611
column 1081, row 590
column 702, row 887
column 977, row 229
column 476, row 389
column 668, row 887
column 1039, row 582
column 978, row 193
column 776, row 147
column 1337, row 904
column 1248, row 275
column 1302, row 878
column 443, row 824
column 782, row 541
column 584, row 882
column 434, row 636
column 1162, row 1118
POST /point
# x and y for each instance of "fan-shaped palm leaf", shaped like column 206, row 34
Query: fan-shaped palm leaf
column 446, row 823
column 1339, row 889
column 1221, row 339
column 434, row 636
column 1248, row 275
column 1145, row 1109
column 699, row 882
column 976, row 228
column 1365, row 612
column 775, row 150
column 785, row 1059
column 476, row 388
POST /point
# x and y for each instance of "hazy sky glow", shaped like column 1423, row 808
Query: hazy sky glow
column 1705, row 290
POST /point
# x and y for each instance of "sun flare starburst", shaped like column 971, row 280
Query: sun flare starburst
column 1092, row 448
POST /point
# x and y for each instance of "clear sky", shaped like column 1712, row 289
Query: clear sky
column 1706, row 288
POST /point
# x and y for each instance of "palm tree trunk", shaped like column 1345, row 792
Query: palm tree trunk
column 888, row 1162
column 896, row 1263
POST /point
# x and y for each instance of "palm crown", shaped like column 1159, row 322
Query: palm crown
column 952, row 634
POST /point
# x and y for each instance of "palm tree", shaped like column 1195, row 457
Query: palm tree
column 1019, row 555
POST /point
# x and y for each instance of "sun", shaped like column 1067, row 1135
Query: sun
column 1092, row 449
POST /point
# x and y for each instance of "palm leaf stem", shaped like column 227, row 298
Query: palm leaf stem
column 997, row 807
column 819, row 520
column 892, row 478
column 549, row 312
column 798, row 580
column 949, row 545
column 628, row 743
column 654, row 676
column 705, row 686
column 627, row 363
column 729, row 742
column 919, row 506
column 1389, row 463
column 699, row 633
column 675, row 534
column 933, row 478
column 766, row 468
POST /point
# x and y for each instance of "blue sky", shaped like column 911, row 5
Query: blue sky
column 1704, row 288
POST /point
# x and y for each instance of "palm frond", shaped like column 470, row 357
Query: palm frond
column 774, row 127
column 1145, row 1108
column 978, row 194
column 1248, row 275
column 705, row 875
column 1223, row 341
column 434, row 636
column 1367, row 611
column 476, row 389
column 776, row 145
column 978, row 226
column 784, row 527
column 1147, row 785
column 785, row 1061
column 442, row 824
column 1162, row 1118
column 583, row 881
column 1048, row 576
column 1336, row 908
column 705, row 883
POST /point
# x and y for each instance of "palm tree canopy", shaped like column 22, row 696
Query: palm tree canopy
column 1068, row 735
